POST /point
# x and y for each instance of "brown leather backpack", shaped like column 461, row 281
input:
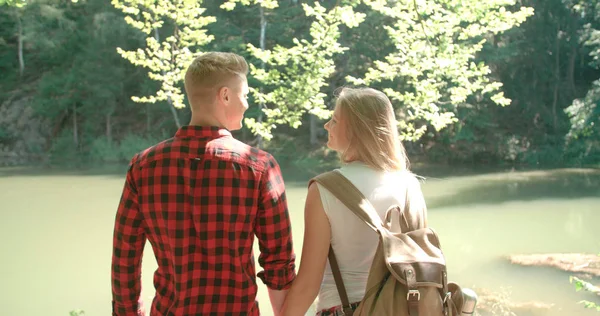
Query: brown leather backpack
column 408, row 273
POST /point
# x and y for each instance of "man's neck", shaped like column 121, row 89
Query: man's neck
column 205, row 120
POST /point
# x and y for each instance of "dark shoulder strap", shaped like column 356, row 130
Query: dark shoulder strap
column 339, row 283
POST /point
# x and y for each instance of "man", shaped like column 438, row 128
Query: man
column 200, row 198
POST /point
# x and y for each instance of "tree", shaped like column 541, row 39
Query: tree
column 13, row 3
column 433, row 70
column 166, row 58
column 294, row 76
column 30, row 21
column 584, row 113
column 263, row 6
column 62, row 65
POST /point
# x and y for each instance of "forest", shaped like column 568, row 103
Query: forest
column 477, row 83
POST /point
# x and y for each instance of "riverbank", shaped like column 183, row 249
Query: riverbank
column 302, row 173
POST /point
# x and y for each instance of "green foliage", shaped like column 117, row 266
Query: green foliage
column 584, row 113
column 267, row 4
column 132, row 144
column 297, row 161
column 77, row 312
column 106, row 151
column 296, row 75
column 5, row 136
column 433, row 69
column 543, row 66
column 466, row 141
column 63, row 151
column 581, row 285
column 13, row 3
column 168, row 58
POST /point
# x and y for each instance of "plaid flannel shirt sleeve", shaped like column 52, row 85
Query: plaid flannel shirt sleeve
column 273, row 230
column 128, row 246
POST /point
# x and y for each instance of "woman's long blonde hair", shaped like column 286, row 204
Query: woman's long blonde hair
column 372, row 129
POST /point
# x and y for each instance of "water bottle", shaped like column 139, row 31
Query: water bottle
column 470, row 300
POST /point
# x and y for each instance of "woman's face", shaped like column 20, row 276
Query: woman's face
column 336, row 127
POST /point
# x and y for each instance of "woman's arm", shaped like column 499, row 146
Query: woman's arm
column 317, row 235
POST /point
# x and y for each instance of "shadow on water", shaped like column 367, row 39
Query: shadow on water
column 34, row 171
column 493, row 188
column 444, row 186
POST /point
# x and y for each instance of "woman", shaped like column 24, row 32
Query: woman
column 363, row 130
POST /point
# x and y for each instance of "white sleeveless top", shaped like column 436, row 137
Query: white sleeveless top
column 353, row 242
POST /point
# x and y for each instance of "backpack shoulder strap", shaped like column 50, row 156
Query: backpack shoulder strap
column 348, row 194
column 339, row 283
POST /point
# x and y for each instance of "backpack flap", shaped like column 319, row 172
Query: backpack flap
column 414, row 258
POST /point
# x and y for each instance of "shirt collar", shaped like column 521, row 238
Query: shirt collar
column 194, row 131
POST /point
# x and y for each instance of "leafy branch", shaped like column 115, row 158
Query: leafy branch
column 166, row 58
column 295, row 76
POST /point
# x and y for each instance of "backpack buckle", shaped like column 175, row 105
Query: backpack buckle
column 346, row 311
column 413, row 294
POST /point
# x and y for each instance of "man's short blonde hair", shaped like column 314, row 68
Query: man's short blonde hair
column 212, row 70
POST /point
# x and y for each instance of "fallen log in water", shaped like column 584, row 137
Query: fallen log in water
column 494, row 303
column 588, row 264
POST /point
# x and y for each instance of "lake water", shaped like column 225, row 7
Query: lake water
column 56, row 233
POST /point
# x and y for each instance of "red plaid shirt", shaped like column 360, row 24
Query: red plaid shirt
column 200, row 198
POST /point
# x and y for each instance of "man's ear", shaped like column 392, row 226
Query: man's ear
column 224, row 94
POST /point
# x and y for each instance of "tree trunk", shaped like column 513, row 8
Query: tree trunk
column 314, row 130
column 20, row 45
column 147, row 117
column 75, row 127
column 557, row 78
column 575, row 44
column 169, row 101
column 263, row 33
column 571, row 71
column 109, row 127
column 174, row 112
